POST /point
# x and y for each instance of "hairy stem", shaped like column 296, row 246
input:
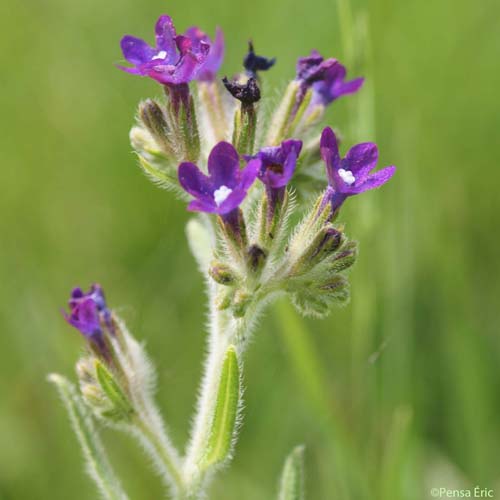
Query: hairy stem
column 98, row 466
column 150, row 431
column 224, row 331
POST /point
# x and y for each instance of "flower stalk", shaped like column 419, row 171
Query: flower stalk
column 249, row 194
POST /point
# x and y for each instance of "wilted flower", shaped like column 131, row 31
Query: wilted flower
column 176, row 59
column 350, row 175
column 226, row 186
column 247, row 93
column 254, row 63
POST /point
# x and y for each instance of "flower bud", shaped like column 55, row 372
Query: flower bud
column 241, row 301
column 95, row 398
column 85, row 370
column 326, row 241
column 153, row 118
column 256, row 257
column 336, row 287
column 222, row 273
column 345, row 258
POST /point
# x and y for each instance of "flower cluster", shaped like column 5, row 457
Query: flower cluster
column 255, row 253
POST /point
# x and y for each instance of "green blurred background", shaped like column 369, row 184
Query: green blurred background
column 395, row 394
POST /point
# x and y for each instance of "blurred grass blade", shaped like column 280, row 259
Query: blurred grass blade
column 98, row 466
column 292, row 477
column 396, row 455
column 349, row 476
column 226, row 412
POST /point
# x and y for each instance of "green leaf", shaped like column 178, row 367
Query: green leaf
column 122, row 409
column 292, row 477
column 226, row 412
column 98, row 466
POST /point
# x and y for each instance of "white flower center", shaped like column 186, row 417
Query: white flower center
column 161, row 55
column 346, row 176
column 221, row 194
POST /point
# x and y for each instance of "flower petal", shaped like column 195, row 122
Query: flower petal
column 224, row 165
column 330, row 153
column 135, row 50
column 202, row 206
column 361, row 160
column 209, row 68
column 233, row 201
column 374, row 180
column 165, row 37
column 185, row 69
column 249, row 173
column 348, row 87
column 133, row 71
column 195, row 182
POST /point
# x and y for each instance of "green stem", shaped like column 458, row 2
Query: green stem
column 99, row 468
column 153, row 440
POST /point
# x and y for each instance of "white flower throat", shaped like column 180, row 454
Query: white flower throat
column 346, row 176
column 161, row 55
column 221, row 194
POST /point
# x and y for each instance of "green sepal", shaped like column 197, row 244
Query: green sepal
column 299, row 114
column 152, row 117
column 189, row 131
column 283, row 115
column 163, row 176
column 121, row 408
column 245, row 124
column 224, row 421
column 292, row 477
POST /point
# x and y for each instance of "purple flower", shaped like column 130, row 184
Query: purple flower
column 325, row 77
column 333, row 85
column 313, row 67
column 278, row 163
column 176, row 59
column 226, row 186
column 350, row 175
column 89, row 314
column 207, row 70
